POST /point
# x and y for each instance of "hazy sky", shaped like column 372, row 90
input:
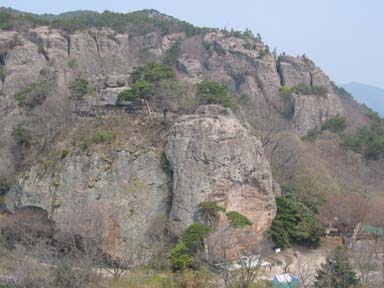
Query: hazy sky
column 344, row 37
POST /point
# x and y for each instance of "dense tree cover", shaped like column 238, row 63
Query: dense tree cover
column 10, row 21
column 211, row 92
column 135, row 23
column 294, row 224
column 336, row 124
column 368, row 140
column 336, row 272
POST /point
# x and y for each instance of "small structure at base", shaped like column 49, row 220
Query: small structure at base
column 285, row 281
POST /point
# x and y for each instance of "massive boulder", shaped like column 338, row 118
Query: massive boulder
column 215, row 158
column 124, row 198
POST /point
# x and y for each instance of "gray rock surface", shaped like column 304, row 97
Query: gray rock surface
column 214, row 158
column 128, row 194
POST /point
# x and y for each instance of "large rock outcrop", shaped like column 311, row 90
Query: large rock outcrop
column 308, row 111
column 215, row 158
column 125, row 197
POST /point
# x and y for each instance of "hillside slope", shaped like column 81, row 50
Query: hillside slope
column 73, row 148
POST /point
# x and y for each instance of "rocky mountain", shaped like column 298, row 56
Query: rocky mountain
column 138, row 176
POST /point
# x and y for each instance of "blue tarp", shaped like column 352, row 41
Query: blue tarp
column 285, row 281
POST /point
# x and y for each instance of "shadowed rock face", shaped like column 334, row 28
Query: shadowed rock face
column 125, row 199
column 214, row 158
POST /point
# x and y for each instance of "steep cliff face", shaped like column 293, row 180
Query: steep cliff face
column 214, row 158
column 105, row 58
column 130, row 196
column 125, row 197
column 309, row 111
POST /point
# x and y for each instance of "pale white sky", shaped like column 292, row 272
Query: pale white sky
column 344, row 37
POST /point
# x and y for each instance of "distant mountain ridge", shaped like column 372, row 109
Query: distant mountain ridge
column 369, row 95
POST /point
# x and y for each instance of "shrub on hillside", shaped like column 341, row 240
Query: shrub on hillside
column 336, row 272
column 336, row 124
column 33, row 95
column 303, row 89
column 285, row 91
column 367, row 141
column 211, row 92
column 311, row 135
column 139, row 90
column 79, row 88
column 294, row 224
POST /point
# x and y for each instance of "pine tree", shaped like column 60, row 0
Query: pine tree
column 336, row 272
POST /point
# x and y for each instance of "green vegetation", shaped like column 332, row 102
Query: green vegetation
column 195, row 234
column 21, row 136
column 180, row 257
column 336, row 272
column 10, row 21
column 104, row 136
column 311, row 135
column 210, row 207
column 294, row 224
column 192, row 240
column 79, row 88
column 303, row 89
column 189, row 243
column 152, row 72
column 3, row 73
column 285, row 91
column 237, row 220
column 33, row 95
column 16, row 41
column 170, row 57
column 210, row 212
column 148, row 80
column 211, row 92
column 41, row 50
column 336, row 124
column 368, row 141
column 72, row 63
column 135, row 23
column 244, row 98
column 139, row 90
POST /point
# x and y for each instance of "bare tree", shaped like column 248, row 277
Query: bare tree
column 347, row 213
